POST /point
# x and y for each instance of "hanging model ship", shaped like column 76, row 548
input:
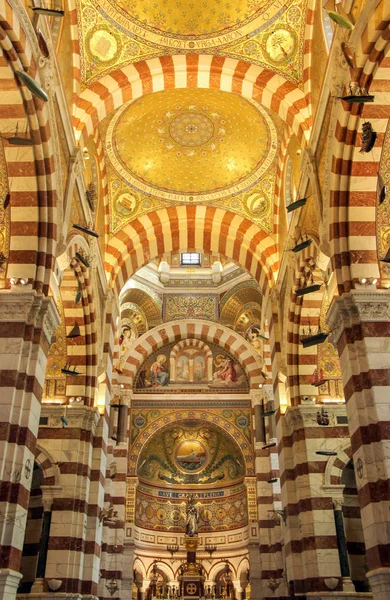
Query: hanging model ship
column 317, row 378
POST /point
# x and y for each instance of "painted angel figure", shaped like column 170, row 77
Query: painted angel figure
column 125, row 343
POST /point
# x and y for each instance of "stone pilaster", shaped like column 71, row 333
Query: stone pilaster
column 360, row 324
column 27, row 323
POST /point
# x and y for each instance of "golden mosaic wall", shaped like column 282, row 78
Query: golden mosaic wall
column 4, row 218
column 199, row 135
column 165, row 510
column 268, row 33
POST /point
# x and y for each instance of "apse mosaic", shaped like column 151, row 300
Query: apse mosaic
column 268, row 32
column 191, row 145
column 193, row 368
column 191, row 452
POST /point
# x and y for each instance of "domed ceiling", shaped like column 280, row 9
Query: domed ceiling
column 265, row 32
column 191, row 144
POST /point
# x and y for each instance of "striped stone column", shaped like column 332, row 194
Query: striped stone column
column 360, row 324
column 27, row 322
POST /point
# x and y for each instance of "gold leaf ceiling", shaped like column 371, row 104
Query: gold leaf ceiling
column 115, row 33
column 191, row 145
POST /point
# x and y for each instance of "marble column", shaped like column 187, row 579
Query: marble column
column 127, row 572
column 255, row 569
column 27, row 322
column 342, row 546
column 48, row 494
column 360, row 324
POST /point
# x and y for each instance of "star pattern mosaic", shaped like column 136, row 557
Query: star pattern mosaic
column 256, row 202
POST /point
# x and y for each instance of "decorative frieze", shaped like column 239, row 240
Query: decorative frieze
column 314, row 415
column 358, row 306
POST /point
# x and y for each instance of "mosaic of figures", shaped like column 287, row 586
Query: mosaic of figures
column 215, row 514
column 191, row 452
column 191, row 366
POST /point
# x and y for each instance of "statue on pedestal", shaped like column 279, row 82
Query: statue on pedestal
column 191, row 518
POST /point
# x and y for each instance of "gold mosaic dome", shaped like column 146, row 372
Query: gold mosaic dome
column 191, row 144
column 185, row 17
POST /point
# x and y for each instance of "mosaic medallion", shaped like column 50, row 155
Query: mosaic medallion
column 103, row 45
column 191, row 129
column 191, row 456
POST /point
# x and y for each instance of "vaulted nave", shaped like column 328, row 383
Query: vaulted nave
column 195, row 299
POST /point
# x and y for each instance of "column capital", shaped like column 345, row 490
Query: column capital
column 257, row 396
column 49, row 492
column 357, row 306
column 338, row 503
column 25, row 305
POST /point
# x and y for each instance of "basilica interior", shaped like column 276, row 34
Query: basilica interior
column 194, row 299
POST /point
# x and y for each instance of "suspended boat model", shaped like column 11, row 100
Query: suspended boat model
column 86, row 230
column 272, row 480
column 42, row 44
column 82, row 259
column 16, row 139
column 317, row 379
column 326, row 453
column 67, row 370
column 32, row 85
column 309, row 289
column 313, row 340
column 338, row 14
column 48, row 10
column 7, row 200
column 349, row 56
column 357, row 94
column 302, row 245
column 297, row 204
column 368, row 137
column 75, row 332
column 268, row 413
column 271, row 445
column 382, row 189
column 386, row 259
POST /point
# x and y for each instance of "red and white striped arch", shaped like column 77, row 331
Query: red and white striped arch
column 192, row 71
column 354, row 174
column 208, row 332
column 30, row 169
column 194, row 228
column 191, row 343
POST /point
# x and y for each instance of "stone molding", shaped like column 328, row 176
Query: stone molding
column 82, row 417
column 305, row 415
column 27, row 306
column 358, row 306
column 49, row 492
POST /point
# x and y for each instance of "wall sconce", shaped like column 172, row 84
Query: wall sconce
column 210, row 549
column 172, row 548
column 18, row 281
